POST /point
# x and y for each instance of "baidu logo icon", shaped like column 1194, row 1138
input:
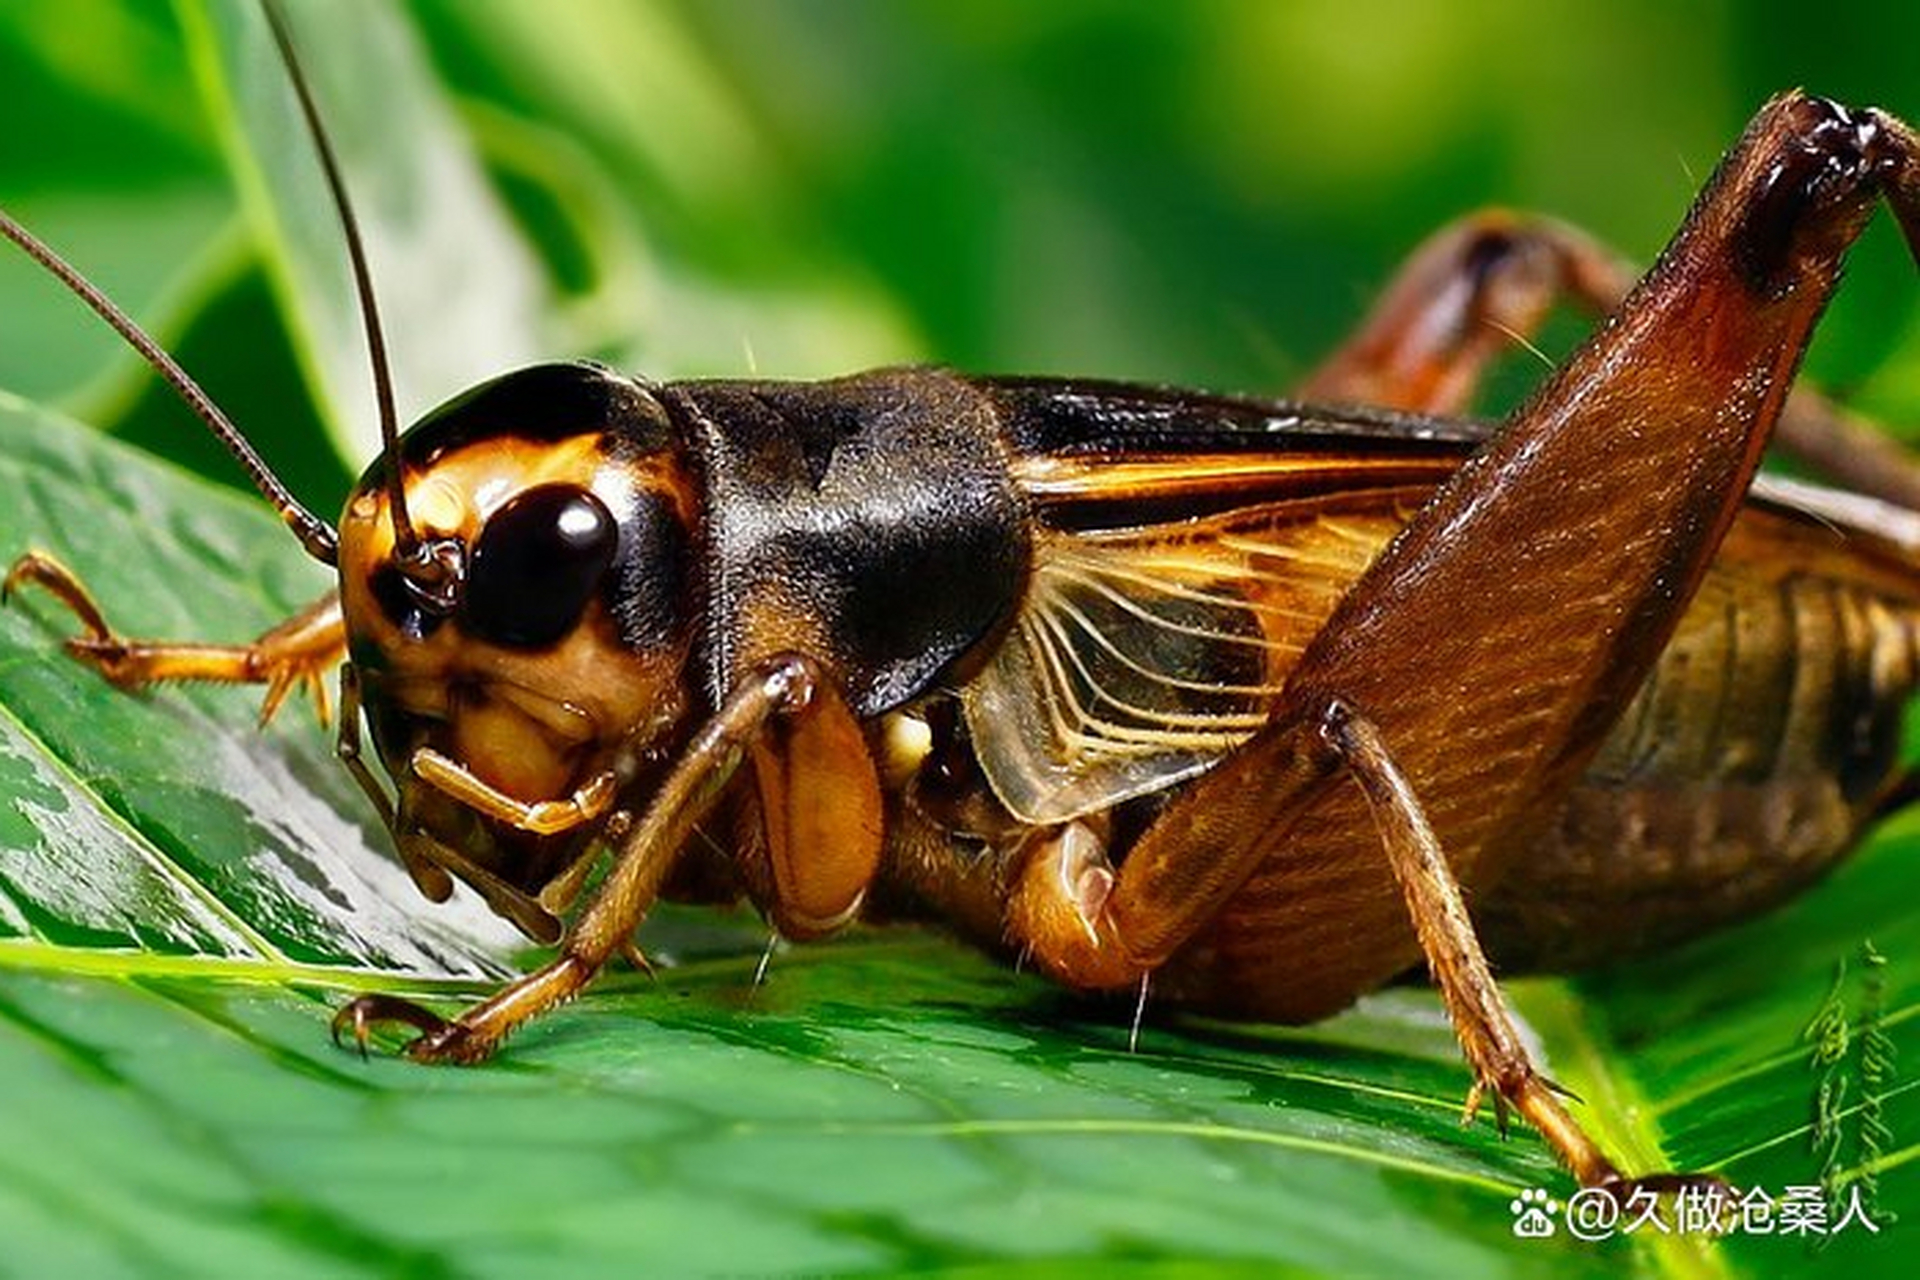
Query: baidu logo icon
column 1533, row 1212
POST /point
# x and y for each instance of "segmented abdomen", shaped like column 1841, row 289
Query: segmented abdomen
column 1768, row 737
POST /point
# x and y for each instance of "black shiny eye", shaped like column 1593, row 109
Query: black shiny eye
column 535, row 565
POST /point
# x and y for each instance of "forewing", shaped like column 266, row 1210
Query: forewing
column 1142, row 655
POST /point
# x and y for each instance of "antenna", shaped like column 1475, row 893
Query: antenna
column 316, row 535
column 428, row 569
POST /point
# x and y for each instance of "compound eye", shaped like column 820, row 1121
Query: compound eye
column 535, row 565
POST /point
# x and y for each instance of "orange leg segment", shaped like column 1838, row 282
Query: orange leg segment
column 296, row 654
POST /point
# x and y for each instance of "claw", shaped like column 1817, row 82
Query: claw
column 1471, row 1111
column 1502, row 1106
column 38, row 569
column 637, row 958
column 439, row 1041
column 1554, row 1086
column 363, row 1013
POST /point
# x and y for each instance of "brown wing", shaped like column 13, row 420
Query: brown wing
column 1142, row 655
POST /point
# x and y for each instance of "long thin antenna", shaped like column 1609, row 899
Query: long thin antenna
column 424, row 569
column 315, row 534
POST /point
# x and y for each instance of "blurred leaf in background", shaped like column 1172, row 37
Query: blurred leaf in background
column 1201, row 194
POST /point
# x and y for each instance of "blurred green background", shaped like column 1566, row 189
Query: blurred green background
column 1201, row 193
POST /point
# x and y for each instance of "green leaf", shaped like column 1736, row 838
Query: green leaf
column 184, row 900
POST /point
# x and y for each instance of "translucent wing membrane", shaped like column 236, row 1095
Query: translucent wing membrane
column 1141, row 656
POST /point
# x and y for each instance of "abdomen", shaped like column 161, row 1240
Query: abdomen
column 1766, row 741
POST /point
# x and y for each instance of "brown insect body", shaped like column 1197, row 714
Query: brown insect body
column 1759, row 748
